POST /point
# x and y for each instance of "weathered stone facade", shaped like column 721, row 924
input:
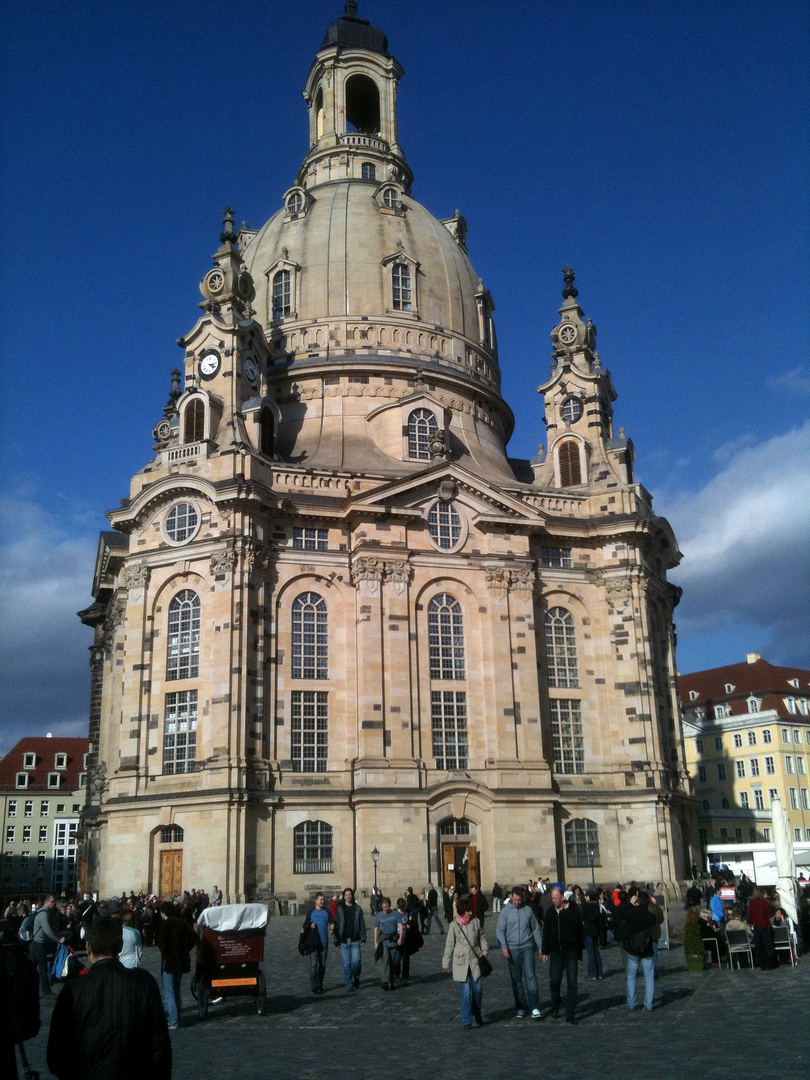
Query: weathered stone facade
column 342, row 618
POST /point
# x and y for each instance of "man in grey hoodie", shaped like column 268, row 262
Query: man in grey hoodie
column 519, row 938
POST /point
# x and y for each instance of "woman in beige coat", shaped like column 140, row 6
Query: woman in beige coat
column 465, row 943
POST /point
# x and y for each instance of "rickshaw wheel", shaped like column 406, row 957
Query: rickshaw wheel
column 261, row 994
column 194, row 987
column 203, row 998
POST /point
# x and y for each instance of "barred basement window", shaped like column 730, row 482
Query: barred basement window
column 567, row 737
column 311, row 539
column 448, row 710
column 554, row 556
column 171, row 834
column 309, row 637
column 184, row 636
column 444, row 525
column 422, row 427
column 582, row 843
column 281, row 294
column 561, row 649
column 570, row 469
column 309, row 730
column 312, row 848
column 446, row 638
column 180, row 732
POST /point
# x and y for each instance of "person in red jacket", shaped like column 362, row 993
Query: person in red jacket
column 759, row 917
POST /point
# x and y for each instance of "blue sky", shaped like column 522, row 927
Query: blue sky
column 662, row 149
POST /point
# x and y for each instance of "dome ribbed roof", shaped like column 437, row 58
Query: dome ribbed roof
column 353, row 33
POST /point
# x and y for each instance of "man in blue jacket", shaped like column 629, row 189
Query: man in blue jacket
column 519, row 938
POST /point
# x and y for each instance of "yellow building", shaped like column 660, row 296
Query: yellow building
column 747, row 735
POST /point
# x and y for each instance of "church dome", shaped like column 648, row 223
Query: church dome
column 351, row 32
column 345, row 255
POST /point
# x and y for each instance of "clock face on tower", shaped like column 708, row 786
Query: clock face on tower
column 568, row 334
column 250, row 369
column 209, row 364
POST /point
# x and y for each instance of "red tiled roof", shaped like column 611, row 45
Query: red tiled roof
column 46, row 751
column 764, row 680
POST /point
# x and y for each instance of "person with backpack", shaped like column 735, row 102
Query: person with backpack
column 43, row 945
column 640, row 928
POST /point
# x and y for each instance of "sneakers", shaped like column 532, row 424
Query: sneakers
column 520, row 1014
column 536, row 1014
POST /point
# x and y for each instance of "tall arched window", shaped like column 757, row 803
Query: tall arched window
column 267, row 431
column 312, row 848
column 362, row 105
column 561, row 648
column 319, row 115
column 281, row 294
column 446, row 638
column 422, row 427
column 309, row 637
column 194, row 421
column 570, row 470
column 401, row 283
column 582, row 843
column 183, row 650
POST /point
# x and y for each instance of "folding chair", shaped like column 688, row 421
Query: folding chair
column 782, row 942
column 739, row 945
column 711, row 946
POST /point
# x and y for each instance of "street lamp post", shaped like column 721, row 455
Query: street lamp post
column 375, row 857
column 591, row 856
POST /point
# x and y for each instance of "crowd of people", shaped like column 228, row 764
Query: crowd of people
column 555, row 923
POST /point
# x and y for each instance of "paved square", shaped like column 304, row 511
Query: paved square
column 719, row 1024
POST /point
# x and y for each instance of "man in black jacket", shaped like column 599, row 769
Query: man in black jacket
column 562, row 945
column 109, row 1023
column 350, row 935
column 175, row 940
column 641, row 929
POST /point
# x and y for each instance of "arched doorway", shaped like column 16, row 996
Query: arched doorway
column 461, row 866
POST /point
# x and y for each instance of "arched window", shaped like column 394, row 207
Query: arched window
column 582, row 842
column 295, row 203
column 422, row 427
column 363, row 105
column 194, row 421
column 312, row 848
column 319, row 115
column 281, row 294
column 390, row 198
column 570, row 470
column 267, row 432
column 171, row 834
column 309, row 637
column 369, row 171
column 401, row 284
column 561, row 649
column 446, row 638
column 183, row 651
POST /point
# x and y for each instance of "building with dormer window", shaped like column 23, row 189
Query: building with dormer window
column 337, row 616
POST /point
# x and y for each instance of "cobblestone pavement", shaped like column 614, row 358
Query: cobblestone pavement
column 719, row 1023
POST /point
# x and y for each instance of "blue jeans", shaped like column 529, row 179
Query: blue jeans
column 470, row 1000
column 594, row 957
column 350, row 955
column 171, row 995
column 433, row 914
column 648, row 967
column 317, row 967
column 390, row 961
column 559, row 964
column 524, row 980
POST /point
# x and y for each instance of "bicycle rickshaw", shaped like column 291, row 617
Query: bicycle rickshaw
column 229, row 955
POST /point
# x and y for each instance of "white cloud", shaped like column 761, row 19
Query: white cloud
column 745, row 538
column 795, row 381
column 45, row 576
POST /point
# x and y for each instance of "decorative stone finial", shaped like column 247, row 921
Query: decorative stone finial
column 350, row 9
column 228, row 220
column 568, row 278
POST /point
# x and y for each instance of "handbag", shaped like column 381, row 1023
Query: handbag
column 483, row 963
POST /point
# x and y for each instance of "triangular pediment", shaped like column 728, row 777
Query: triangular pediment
column 447, row 480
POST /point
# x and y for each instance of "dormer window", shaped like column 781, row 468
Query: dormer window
column 281, row 294
column 391, row 198
column 295, row 203
column 54, row 780
column 60, row 761
column 422, row 428
column 729, row 688
column 754, row 704
column 21, row 780
column 794, row 683
column 401, row 286
column 791, row 705
column 693, row 695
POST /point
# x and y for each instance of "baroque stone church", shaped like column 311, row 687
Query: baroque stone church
column 334, row 617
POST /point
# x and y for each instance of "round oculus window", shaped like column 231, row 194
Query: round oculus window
column 571, row 410
column 181, row 523
column 444, row 525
